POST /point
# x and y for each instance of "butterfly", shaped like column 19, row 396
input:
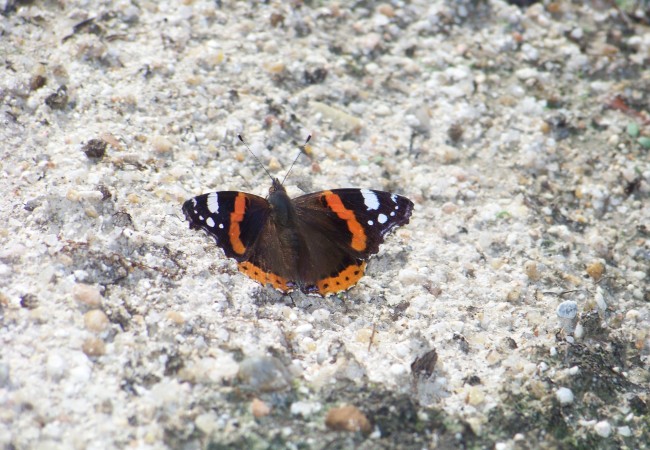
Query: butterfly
column 317, row 243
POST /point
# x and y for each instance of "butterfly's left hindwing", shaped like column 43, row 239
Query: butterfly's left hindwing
column 234, row 219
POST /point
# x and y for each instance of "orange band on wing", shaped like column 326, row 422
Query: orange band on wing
column 343, row 280
column 335, row 203
column 235, row 219
column 264, row 278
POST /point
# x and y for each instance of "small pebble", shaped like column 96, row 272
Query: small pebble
column 624, row 431
column 96, row 320
column 259, row 408
column 475, row 395
column 386, row 9
column 339, row 119
column 633, row 129
column 579, row 331
column 564, row 395
column 93, row 347
column 161, row 144
column 95, row 149
column 603, row 428
column 596, row 270
column 577, row 33
column 263, row 374
column 644, row 141
column 304, row 328
column 5, row 375
column 305, row 409
column 87, row 294
column 530, row 267
column 567, row 309
column 449, row 208
column 364, row 335
column 347, row 418
column 55, row 366
column 321, row 315
column 29, row 301
column 175, row 317
column 133, row 198
column 207, row 422
column 425, row 364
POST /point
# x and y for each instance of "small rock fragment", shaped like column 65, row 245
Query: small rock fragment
column 95, row 148
column 56, row 366
column 93, row 347
column 161, row 144
column 347, row 418
column 5, row 375
column 475, row 395
column 305, row 409
column 425, row 364
column 175, row 317
column 36, row 82
column 207, row 422
column 530, row 267
column 644, row 141
column 259, row 408
column 624, row 431
column 596, row 270
column 29, row 301
column 96, row 320
column 386, row 9
column 567, row 309
column 564, row 395
column 603, row 428
column 87, row 294
column 263, row 374
column 59, row 99
column 339, row 119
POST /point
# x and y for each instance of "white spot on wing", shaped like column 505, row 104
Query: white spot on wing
column 393, row 198
column 213, row 203
column 221, row 226
column 370, row 222
column 370, row 199
column 201, row 218
column 210, row 222
column 381, row 218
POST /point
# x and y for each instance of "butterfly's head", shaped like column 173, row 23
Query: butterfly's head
column 276, row 187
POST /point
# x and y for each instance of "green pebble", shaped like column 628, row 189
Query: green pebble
column 633, row 129
column 645, row 142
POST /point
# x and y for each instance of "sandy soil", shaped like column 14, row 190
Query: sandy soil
column 512, row 312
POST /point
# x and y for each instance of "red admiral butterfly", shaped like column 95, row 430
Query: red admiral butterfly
column 318, row 243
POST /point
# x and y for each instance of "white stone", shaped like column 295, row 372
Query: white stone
column 603, row 428
column 305, row 409
column 624, row 431
column 564, row 395
column 207, row 422
column 567, row 309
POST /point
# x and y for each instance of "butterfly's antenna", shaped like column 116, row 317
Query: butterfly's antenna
column 255, row 156
column 302, row 149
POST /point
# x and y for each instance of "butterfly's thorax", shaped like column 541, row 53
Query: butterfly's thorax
column 282, row 211
column 283, row 215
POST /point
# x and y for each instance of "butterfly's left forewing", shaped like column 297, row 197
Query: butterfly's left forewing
column 234, row 219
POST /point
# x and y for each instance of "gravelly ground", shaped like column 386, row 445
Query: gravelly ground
column 512, row 312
